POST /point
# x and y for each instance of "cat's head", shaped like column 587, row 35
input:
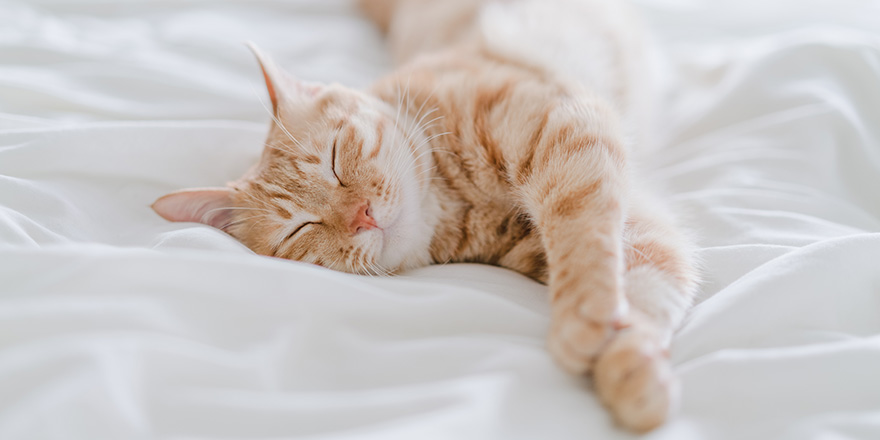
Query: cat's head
column 341, row 183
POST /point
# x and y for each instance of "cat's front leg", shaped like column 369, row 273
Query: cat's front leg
column 607, row 320
column 587, row 301
column 633, row 375
column 574, row 186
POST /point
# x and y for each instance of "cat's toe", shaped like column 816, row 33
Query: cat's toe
column 634, row 380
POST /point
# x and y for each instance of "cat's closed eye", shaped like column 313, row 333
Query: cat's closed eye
column 300, row 228
column 293, row 234
column 333, row 165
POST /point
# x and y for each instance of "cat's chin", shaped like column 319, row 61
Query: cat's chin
column 402, row 247
column 392, row 253
column 406, row 239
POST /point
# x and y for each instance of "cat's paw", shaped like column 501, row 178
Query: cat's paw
column 634, row 380
column 580, row 329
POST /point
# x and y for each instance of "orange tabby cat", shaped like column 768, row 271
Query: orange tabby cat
column 499, row 141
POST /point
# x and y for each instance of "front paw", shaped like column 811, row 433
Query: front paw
column 579, row 330
column 634, row 380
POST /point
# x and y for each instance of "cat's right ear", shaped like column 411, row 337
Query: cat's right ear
column 209, row 206
column 281, row 86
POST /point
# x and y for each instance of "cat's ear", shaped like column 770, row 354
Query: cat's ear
column 280, row 85
column 210, row 206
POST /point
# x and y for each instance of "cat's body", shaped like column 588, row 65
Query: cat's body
column 482, row 148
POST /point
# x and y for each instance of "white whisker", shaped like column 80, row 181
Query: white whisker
column 278, row 121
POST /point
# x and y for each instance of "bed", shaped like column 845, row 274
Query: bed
column 115, row 324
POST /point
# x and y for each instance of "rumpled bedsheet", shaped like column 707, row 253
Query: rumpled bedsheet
column 115, row 324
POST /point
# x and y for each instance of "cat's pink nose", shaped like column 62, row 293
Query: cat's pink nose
column 363, row 219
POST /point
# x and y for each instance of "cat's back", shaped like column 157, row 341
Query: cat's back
column 598, row 44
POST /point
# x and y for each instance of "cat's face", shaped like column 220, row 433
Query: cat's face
column 341, row 183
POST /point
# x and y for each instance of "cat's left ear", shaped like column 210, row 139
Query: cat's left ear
column 210, row 206
column 282, row 87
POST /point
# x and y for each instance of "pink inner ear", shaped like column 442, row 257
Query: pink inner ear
column 270, row 74
column 281, row 85
column 209, row 206
column 271, row 89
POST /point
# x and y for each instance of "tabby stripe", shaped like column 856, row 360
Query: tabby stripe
column 525, row 167
column 483, row 107
column 380, row 136
column 465, row 238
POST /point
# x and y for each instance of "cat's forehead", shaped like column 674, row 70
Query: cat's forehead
column 330, row 104
column 333, row 119
column 336, row 112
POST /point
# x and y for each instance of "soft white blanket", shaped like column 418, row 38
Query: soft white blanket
column 117, row 325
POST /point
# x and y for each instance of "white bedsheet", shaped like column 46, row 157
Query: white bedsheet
column 117, row 325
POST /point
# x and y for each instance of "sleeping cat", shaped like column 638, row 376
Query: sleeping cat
column 498, row 140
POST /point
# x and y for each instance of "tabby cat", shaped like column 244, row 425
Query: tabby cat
column 499, row 139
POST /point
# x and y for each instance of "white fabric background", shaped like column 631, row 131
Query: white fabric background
column 117, row 325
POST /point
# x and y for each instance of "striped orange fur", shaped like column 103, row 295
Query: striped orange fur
column 480, row 149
